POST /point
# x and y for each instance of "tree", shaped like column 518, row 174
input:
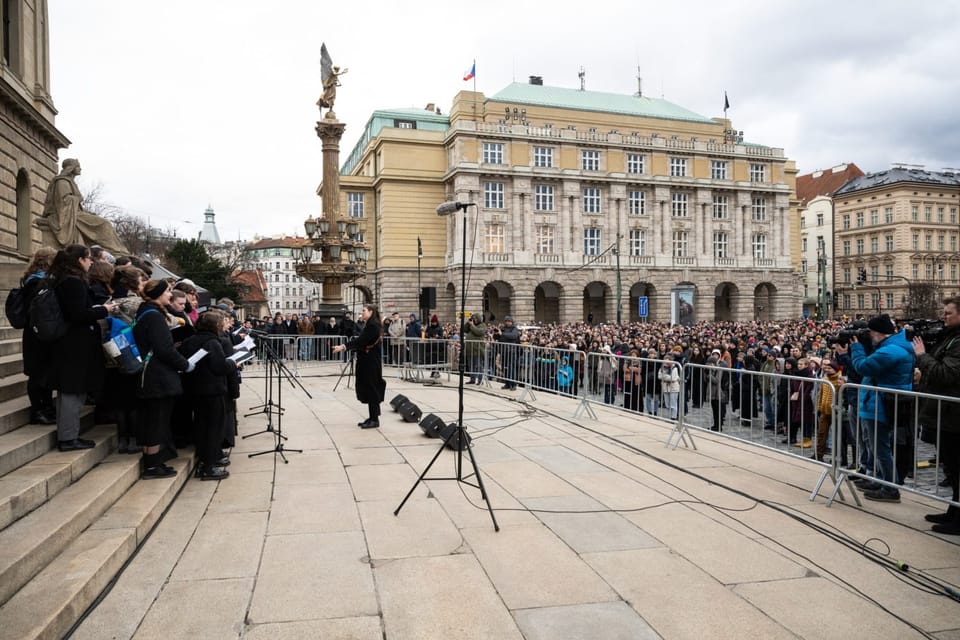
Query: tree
column 923, row 301
column 189, row 259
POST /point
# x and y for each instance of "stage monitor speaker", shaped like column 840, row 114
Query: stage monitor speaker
column 428, row 298
column 410, row 412
column 397, row 401
column 455, row 442
column 432, row 425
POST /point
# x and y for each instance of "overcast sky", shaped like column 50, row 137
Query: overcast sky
column 178, row 104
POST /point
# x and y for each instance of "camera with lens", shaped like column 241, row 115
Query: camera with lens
column 927, row 330
column 856, row 330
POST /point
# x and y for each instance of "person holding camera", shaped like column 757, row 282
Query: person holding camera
column 940, row 374
column 475, row 332
column 890, row 366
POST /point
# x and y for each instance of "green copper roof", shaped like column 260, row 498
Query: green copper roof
column 540, row 95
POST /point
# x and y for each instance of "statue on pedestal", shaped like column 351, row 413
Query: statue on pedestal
column 330, row 75
column 64, row 221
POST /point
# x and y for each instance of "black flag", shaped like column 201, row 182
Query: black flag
column 726, row 101
column 419, row 248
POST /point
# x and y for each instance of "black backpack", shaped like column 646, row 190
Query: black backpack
column 46, row 317
column 16, row 307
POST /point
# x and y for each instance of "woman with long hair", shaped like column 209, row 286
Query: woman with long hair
column 122, row 397
column 370, row 386
column 37, row 354
column 78, row 362
column 159, row 383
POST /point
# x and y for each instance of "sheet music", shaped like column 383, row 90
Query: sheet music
column 197, row 357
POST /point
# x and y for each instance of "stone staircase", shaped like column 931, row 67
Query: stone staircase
column 69, row 521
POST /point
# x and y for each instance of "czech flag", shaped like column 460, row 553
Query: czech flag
column 471, row 72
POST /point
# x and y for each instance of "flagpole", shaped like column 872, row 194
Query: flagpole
column 475, row 108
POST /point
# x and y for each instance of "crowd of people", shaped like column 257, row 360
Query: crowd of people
column 170, row 401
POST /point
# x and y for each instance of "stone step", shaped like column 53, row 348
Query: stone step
column 27, row 488
column 10, row 365
column 8, row 333
column 52, row 602
column 13, row 386
column 32, row 542
column 20, row 446
column 14, row 413
column 10, row 346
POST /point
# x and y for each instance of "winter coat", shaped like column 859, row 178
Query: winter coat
column 37, row 355
column 126, row 307
column 162, row 363
column 940, row 374
column 889, row 366
column 78, row 361
column 564, row 375
column 434, row 330
column 716, row 381
column 209, row 378
column 670, row 378
column 474, row 336
column 510, row 335
column 370, row 387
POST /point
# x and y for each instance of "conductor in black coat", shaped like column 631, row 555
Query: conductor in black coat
column 370, row 385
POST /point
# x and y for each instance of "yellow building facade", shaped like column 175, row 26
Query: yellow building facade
column 584, row 206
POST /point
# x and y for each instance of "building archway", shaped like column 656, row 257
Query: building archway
column 763, row 297
column 725, row 298
column 24, row 219
column 496, row 301
column 595, row 297
column 546, row 302
column 638, row 290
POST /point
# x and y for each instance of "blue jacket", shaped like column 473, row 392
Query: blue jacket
column 564, row 375
column 889, row 366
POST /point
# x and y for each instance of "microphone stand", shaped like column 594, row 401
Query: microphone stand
column 282, row 372
column 268, row 407
column 459, row 434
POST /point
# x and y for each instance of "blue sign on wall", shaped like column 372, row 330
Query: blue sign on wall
column 643, row 306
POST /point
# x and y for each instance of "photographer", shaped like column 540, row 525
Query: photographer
column 509, row 345
column 940, row 374
column 475, row 332
column 889, row 366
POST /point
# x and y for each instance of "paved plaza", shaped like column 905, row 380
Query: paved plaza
column 604, row 534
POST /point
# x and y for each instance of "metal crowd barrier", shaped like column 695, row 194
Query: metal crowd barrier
column 299, row 353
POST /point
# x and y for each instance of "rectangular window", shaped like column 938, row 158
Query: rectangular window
column 939, row 214
column 635, row 163
column 913, row 213
column 953, row 215
column 874, row 216
column 493, row 153
column 543, row 156
column 758, row 173
column 859, row 219
column 493, row 195
column 915, row 271
column 888, row 215
column 803, row 269
column 759, row 245
column 860, row 300
column 590, row 160
column 928, row 242
column 953, row 243
column 940, row 242
column 859, row 246
column 495, row 239
column 721, row 207
column 718, row 169
column 889, row 243
column 678, row 167
column 679, row 244
column 846, row 222
column 915, row 240
column 354, row 204
column 846, row 247
column 405, row 124
column 889, row 271
column 720, row 249
column 678, row 204
column 821, row 245
column 803, row 245
column 819, row 219
column 846, row 276
column 543, row 197
column 889, row 297
column 638, row 242
column 545, row 239
column 759, row 208
column 927, row 214
column 636, row 203
column 874, row 273
column 591, row 242
column 803, row 222
column 591, row 200
column 874, row 242
column 846, row 301
column 953, row 272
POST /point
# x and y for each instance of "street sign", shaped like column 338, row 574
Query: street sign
column 643, row 307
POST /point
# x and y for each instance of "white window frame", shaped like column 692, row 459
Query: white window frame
column 354, row 204
column 759, row 208
column 592, row 239
column 635, row 163
column 493, row 153
column 589, row 160
column 543, row 197
column 592, row 200
column 759, row 244
column 545, row 239
column 718, row 169
column 758, row 172
column 678, row 204
column 721, row 244
column 493, row 195
column 636, row 203
column 721, row 207
column 543, row 156
column 678, row 167
column 638, row 242
column 495, row 239
column 680, row 244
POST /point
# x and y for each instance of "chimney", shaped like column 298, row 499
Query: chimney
column 537, row 80
column 430, row 107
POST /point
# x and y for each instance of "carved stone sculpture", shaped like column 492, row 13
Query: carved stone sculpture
column 64, row 220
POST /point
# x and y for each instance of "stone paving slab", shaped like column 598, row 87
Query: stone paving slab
column 612, row 620
column 366, row 628
column 313, row 508
column 586, row 532
column 177, row 612
column 225, row 545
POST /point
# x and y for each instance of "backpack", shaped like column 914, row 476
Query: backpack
column 121, row 347
column 46, row 317
column 16, row 307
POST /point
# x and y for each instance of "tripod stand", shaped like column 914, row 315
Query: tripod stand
column 459, row 434
column 274, row 361
column 348, row 364
column 268, row 407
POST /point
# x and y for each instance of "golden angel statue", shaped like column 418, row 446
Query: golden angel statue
column 330, row 75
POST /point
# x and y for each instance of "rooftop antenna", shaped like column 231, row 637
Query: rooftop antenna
column 583, row 79
column 639, row 83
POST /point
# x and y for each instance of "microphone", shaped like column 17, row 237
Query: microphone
column 447, row 208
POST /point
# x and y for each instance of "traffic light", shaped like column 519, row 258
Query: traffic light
column 862, row 275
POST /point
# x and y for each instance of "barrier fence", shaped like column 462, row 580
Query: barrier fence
column 803, row 417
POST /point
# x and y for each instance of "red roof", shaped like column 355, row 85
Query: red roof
column 825, row 182
column 255, row 284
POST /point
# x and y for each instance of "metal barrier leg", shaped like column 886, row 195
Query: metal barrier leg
column 585, row 408
column 680, row 428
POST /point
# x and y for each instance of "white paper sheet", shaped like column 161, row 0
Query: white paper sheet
column 197, row 357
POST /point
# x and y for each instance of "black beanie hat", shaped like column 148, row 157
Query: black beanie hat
column 882, row 324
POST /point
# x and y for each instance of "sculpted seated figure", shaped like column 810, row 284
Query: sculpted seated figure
column 64, row 221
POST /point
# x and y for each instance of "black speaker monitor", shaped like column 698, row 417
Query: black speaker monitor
column 432, row 425
column 455, row 442
column 397, row 401
column 409, row 412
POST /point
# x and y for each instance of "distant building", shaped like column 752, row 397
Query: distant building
column 815, row 191
column 254, row 302
column 580, row 195
column 209, row 233
column 899, row 229
column 285, row 291
column 29, row 139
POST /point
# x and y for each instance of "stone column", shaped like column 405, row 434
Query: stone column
column 330, row 131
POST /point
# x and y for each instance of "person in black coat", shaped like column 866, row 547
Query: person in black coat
column 228, row 340
column 37, row 354
column 207, row 386
column 78, row 361
column 370, row 386
column 160, row 380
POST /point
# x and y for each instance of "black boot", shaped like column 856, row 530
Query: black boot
column 952, row 515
